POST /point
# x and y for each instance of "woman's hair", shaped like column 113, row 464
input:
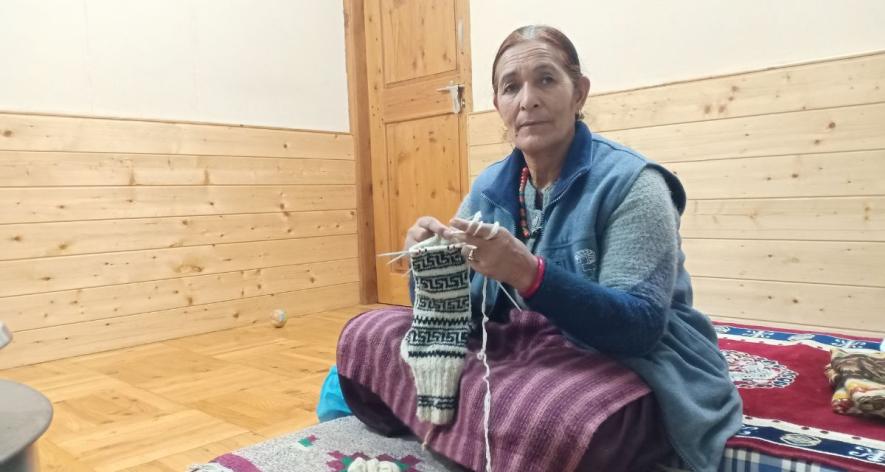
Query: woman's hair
column 549, row 35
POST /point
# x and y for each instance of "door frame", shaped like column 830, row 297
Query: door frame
column 360, row 129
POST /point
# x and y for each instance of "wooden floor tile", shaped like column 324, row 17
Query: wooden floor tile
column 59, row 382
column 52, row 458
column 149, row 366
column 279, row 357
column 317, row 337
column 139, row 442
column 228, row 379
column 163, row 406
column 134, row 352
column 265, row 405
column 220, row 342
column 101, row 409
column 151, row 467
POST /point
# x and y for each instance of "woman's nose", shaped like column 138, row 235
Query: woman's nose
column 529, row 99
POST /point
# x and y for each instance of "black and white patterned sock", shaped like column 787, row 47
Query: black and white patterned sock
column 436, row 345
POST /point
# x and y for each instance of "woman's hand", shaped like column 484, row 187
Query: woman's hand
column 425, row 227
column 499, row 256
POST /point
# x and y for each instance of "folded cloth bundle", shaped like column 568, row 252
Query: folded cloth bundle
column 859, row 381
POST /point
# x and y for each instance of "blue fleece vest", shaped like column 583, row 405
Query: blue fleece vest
column 688, row 375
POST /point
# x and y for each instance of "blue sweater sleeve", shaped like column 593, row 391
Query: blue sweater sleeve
column 625, row 312
column 608, row 319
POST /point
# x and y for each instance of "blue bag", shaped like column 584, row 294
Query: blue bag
column 332, row 404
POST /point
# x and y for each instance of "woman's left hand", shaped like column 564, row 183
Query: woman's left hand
column 500, row 256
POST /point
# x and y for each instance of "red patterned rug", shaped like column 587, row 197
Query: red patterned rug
column 780, row 376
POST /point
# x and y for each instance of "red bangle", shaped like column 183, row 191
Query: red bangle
column 539, row 277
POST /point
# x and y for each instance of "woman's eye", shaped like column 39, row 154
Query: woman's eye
column 508, row 88
column 547, row 80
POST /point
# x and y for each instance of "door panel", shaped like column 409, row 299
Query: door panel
column 419, row 165
column 417, row 99
column 419, row 38
column 423, row 154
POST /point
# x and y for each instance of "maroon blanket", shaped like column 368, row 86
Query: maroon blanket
column 548, row 397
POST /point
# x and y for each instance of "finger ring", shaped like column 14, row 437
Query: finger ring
column 470, row 256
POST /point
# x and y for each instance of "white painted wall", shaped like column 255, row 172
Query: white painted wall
column 268, row 63
column 633, row 43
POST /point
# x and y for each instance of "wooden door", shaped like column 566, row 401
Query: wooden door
column 417, row 52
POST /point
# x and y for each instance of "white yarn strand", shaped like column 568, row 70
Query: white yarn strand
column 477, row 218
column 515, row 305
column 487, row 400
column 493, row 232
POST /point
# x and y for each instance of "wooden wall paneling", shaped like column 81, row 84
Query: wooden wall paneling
column 20, row 132
column 57, row 342
column 827, row 84
column 32, row 240
column 27, row 276
column 824, row 84
column 827, row 218
column 41, row 310
column 484, row 155
column 486, row 127
column 111, row 222
column 851, row 128
column 832, row 262
column 60, row 169
column 832, row 306
column 33, row 205
column 809, row 175
column 806, row 122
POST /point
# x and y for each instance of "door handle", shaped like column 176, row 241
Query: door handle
column 454, row 91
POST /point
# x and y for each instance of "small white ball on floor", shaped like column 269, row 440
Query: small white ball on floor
column 278, row 318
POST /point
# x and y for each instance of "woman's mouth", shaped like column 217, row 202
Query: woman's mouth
column 531, row 123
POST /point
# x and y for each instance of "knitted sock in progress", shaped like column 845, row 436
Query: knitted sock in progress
column 436, row 344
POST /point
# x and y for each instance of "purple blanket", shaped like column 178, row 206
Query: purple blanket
column 548, row 397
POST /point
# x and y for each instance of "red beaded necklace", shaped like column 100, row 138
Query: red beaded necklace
column 523, row 217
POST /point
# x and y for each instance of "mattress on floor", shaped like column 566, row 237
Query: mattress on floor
column 788, row 422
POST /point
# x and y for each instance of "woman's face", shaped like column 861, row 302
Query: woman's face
column 536, row 98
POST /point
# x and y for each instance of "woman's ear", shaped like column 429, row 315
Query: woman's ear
column 582, row 90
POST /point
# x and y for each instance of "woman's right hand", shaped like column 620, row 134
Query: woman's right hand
column 425, row 227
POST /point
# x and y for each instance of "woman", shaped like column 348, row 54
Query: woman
column 592, row 244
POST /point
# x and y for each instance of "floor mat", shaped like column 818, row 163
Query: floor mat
column 330, row 446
